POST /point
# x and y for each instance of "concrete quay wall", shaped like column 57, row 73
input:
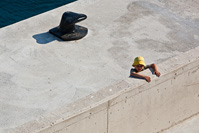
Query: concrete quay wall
column 128, row 107
column 40, row 73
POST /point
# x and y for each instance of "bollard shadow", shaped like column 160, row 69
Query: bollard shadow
column 45, row 38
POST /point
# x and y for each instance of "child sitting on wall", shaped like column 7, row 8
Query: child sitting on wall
column 139, row 65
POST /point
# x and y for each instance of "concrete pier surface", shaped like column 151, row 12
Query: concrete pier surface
column 40, row 73
column 188, row 126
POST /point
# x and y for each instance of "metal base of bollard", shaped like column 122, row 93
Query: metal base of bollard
column 78, row 33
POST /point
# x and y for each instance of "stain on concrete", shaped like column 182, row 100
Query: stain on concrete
column 5, row 79
column 151, row 26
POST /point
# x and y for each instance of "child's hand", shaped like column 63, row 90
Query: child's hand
column 148, row 79
column 157, row 73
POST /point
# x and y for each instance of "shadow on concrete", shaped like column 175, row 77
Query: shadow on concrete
column 45, row 38
column 136, row 77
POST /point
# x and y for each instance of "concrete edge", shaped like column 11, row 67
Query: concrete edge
column 92, row 101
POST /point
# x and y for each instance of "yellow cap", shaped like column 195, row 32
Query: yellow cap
column 138, row 61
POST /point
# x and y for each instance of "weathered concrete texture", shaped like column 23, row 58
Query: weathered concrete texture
column 40, row 73
column 155, row 107
column 142, row 108
column 187, row 126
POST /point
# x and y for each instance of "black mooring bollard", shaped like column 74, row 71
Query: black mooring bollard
column 67, row 30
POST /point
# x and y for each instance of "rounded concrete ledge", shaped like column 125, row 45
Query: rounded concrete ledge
column 165, row 102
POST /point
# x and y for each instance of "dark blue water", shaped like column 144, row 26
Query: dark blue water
column 12, row 11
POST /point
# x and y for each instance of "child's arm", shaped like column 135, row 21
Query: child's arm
column 147, row 78
column 154, row 67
